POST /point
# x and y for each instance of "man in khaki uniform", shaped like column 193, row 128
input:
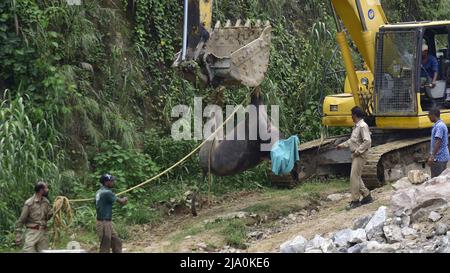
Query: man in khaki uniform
column 104, row 200
column 359, row 143
column 35, row 214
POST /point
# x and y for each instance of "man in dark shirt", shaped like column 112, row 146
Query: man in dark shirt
column 430, row 66
column 104, row 199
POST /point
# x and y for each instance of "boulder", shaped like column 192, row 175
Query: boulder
column 432, row 195
column 393, row 233
column 358, row 236
column 440, row 229
column 335, row 197
column 320, row 243
column 361, row 222
column 296, row 245
column 373, row 246
column 402, row 184
column 417, row 177
column 409, row 233
column 434, row 216
column 375, row 226
column 342, row 237
column 355, row 249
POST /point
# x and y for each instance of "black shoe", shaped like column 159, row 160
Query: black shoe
column 367, row 200
column 353, row 205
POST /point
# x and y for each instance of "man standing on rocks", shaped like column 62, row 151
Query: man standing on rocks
column 359, row 143
column 439, row 154
column 104, row 200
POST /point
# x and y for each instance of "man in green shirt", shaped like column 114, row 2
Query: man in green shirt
column 104, row 199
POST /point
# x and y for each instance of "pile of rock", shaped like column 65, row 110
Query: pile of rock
column 417, row 221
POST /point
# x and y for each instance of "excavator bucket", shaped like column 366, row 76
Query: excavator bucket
column 231, row 55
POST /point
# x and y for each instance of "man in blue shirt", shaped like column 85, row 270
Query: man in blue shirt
column 439, row 154
column 430, row 66
column 104, row 200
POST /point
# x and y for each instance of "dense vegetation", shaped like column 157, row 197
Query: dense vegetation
column 88, row 89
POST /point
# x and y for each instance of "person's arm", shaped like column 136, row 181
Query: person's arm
column 122, row 201
column 433, row 83
column 114, row 198
column 49, row 212
column 435, row 67
column 21, row 222
column 437, row 144
column 367, row 141
column 345, row 144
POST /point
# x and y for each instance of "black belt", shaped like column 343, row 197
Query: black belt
column 37, row 227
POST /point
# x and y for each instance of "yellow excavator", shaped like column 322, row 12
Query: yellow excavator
column 394, row 92
column 227, row 55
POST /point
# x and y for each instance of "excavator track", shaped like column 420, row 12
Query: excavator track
column 389, row 159
column 396, row 155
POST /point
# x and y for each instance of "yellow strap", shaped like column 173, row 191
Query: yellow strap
column 62, row 203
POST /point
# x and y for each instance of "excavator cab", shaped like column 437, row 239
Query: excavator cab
column 402, row 84
column 228, row 55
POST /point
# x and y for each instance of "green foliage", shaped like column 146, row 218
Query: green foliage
column 129, row 166
column 416, row 10
column 25, row 158
column 235, row 233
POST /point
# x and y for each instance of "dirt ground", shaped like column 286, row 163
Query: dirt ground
column 187, row 233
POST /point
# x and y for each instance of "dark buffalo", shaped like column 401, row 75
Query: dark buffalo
column 230, row 157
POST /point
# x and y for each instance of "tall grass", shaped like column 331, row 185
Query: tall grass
column 25, row 158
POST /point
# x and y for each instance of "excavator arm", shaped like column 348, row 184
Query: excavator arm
column 228, row 55
column 362, row 19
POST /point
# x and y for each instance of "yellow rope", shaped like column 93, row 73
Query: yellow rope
column 62, row 203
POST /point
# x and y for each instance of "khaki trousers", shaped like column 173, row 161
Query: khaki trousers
column 108, row 237
column 36, row 240
column 357, row 186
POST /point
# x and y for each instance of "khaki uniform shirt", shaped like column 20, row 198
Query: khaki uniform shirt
column 35, row 213
column 360, row 140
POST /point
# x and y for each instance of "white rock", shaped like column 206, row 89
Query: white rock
column 318, row 242
column 417, row 177
column 202, row 245
column 342, row 237
column 335, row 197
column 402, row 184
column 296, row 245
column 441, row 229
column 355, row 249
column 431, row 195
column 393, row 233
column 409, row 233
column 361, row 222
column 374, row 246
column 358, row 236
column 375, row 225
column 434, row 216
column 313, row 250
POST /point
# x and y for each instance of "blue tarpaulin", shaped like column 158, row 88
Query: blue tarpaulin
column 284, row 154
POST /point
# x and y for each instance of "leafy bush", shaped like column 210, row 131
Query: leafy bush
column 129, row 166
